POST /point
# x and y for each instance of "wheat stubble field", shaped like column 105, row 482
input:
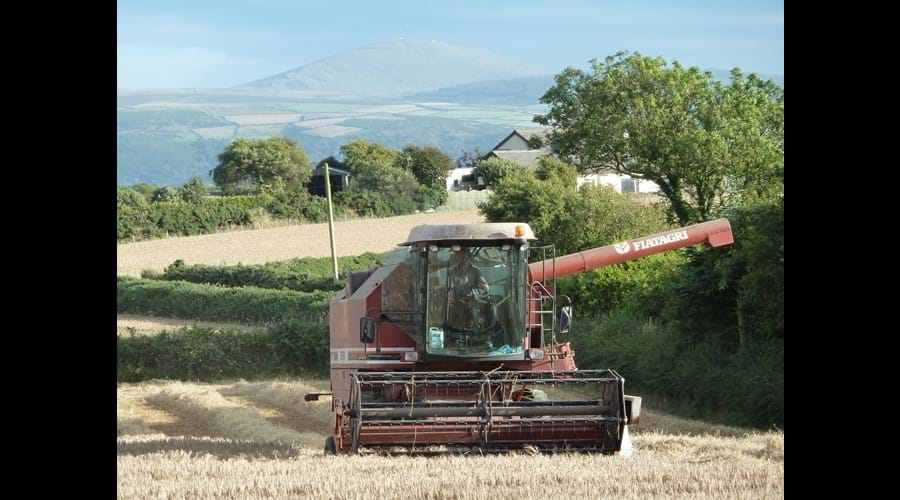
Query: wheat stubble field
column 259, row 246
column 261, row 440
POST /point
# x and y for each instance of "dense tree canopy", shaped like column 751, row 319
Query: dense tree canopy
column 193, row 190
column 430, row 165
column 251, row 165
column 385, row 180
column 492, row 169
column 166, row 194
column 361, row 153
column 706, row 144
column 144, row 188
column 381, row 190
column 126, row 197
column 552, row 168
column 571, row 219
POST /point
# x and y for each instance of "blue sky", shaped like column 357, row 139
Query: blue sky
column 199, row 43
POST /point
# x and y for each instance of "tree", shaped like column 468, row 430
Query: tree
column 706, row 145
column 492, row 169
column 193, row 190
column 384, row 185
column 361, row 153
column 572, row 220
column 144, row 188
column 550, row 167
column 469, row 159
column 249, row 165
column 126, row 197
column 381, row 191
column 430, row 165
column 165, row 194
column 521, row 197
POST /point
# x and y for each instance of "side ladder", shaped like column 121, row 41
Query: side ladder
column 541, row 297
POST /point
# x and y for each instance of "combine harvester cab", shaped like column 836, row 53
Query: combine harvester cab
column 454, row 345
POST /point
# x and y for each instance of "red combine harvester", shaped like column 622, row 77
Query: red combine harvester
column 453, row 345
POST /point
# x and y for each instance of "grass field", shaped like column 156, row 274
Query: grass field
column 261, row 440
column 259, row 246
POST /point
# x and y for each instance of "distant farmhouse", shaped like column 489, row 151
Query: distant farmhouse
column 526, row 146
column 337, row 173
column 464, row 179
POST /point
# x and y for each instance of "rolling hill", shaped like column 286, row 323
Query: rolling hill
column 398, row 66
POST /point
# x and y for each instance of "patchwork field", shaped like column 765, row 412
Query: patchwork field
column 259, row 246
column 261, row 440
column 186, row 131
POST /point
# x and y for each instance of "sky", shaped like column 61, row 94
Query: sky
column 221, row 43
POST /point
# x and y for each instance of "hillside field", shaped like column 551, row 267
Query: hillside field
column 258, row 246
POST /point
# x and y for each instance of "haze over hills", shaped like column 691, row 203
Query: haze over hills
column 396, row 93
column 399, row 66
column 525, row 91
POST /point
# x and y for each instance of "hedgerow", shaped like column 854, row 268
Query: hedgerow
column 307, row 274
column 180, row 299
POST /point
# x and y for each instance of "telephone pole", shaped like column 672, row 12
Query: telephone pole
column 331, row 224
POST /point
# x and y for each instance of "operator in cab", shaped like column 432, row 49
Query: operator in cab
column 466, row 284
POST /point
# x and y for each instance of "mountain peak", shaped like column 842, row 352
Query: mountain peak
column 398, row 66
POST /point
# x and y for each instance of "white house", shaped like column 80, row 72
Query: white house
column 464, row 179
column 619, row 182
column 526, row 146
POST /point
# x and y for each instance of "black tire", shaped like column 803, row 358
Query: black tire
column 330, row 446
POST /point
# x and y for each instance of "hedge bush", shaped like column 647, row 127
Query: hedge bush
column 155, row 220
column 306, row 275
column 135, row 220
column 179, row 299
column 632, row 285
column 299, row 205
column 701, row 379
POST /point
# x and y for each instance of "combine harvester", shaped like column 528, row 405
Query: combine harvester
column 453, row 345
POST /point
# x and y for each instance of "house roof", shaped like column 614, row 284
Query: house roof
column 320, row 170
column 527, row 136
column 333, row 163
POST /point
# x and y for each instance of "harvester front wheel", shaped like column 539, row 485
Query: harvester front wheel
column 330, row 446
